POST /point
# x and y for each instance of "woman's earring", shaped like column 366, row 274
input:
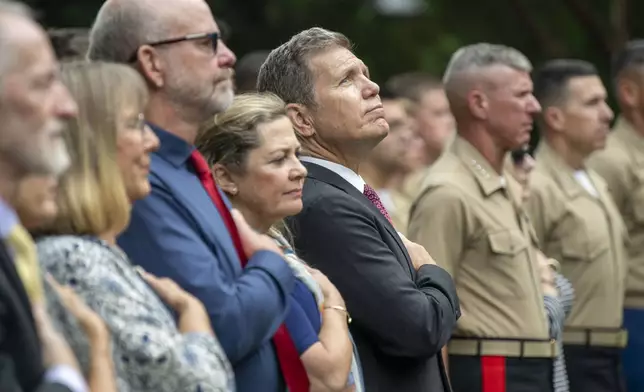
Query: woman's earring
column 233, row 191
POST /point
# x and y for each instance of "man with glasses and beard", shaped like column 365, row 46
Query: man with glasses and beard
column 184, row 230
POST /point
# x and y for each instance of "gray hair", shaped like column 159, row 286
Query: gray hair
column 472, row 58
column 9, row 8
column 286, row 71
column 120, row 28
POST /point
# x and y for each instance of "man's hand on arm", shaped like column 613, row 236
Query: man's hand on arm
column 417, row 253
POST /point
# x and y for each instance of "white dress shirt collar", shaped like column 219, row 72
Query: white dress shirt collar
column 347, row 174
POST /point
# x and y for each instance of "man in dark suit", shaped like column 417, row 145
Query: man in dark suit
column 403, row 306
column 33, row 106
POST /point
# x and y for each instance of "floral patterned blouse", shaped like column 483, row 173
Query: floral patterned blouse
column 150, row 353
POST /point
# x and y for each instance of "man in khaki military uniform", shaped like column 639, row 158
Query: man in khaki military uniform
column 469, row 219
column 621, row 164
column 578, row 223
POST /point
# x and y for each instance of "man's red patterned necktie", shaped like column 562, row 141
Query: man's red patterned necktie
column 373, row 197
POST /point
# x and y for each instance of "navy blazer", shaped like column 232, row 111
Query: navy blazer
column 177, row 232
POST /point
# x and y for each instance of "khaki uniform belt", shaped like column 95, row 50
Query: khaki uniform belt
column 503, row 348
column 617, row 338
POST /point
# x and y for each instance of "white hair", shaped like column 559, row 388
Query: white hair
column 9, row 8
column 472, row 58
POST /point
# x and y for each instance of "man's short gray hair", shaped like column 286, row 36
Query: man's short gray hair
column 474, row 58
column 286, row 71
column 120, row 28
column 9, row 8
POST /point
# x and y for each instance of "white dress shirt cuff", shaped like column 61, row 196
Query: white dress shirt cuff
column 67, row 376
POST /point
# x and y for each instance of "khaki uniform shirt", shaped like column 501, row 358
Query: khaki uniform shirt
column 400, row 213
column 621, row 165
column 412, row 185
column 468, row 219
column 586, row 234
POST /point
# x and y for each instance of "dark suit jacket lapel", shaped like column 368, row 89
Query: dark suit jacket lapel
column 15, row 291
column 325, row 175
column 10, row 272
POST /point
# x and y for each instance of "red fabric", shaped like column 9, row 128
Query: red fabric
column 493, row 374
column 292, row 368
column 373, row 197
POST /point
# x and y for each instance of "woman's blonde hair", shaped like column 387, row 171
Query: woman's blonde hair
column 92, row 198
column 229, row 136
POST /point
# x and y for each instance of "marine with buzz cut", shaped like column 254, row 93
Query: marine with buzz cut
column 469, row 217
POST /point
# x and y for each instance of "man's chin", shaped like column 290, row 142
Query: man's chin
column 379, row 129
column 222, row 100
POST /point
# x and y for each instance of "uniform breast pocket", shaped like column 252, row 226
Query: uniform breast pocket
column 508, row 274
column 574, row 247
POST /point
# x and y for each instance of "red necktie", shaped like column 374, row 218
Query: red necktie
column 373, row 197
column 287, row 355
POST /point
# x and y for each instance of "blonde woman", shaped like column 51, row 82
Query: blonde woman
column 110, row 147
column 253, row 152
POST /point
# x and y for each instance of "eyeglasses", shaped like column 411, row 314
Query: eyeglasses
column 214, row 38
column 140, row 122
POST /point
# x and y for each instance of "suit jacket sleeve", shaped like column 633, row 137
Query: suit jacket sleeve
column 48, row 387
column 245, row 308
column 404, row 317
column 9, row 382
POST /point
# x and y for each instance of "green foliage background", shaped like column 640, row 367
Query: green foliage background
column 588, row 29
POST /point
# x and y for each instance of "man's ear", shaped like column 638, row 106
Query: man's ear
column 150, row 65
column 301, row 119
column 478, row 104
column 554, row 118
column 224, row 179
column 628, row 92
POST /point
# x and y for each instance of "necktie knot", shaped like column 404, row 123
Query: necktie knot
column 373, row 197
column 199, row 163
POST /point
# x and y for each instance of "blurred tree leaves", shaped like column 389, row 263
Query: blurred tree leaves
column 589, row 29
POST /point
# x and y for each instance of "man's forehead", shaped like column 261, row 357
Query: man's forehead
column 589, row 84
column 334, row 61
column 502, row 74
column 28, row 45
